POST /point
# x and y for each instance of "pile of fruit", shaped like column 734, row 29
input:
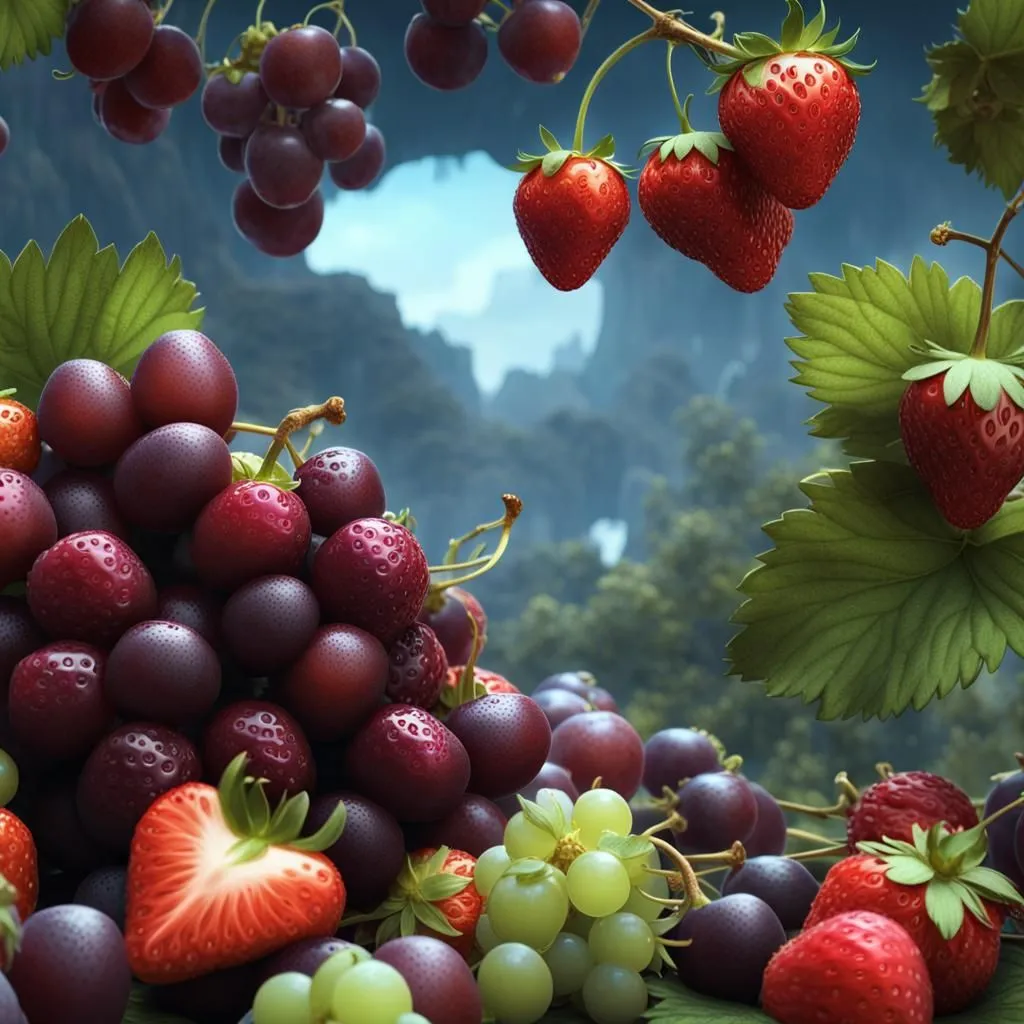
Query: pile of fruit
column 250, row 766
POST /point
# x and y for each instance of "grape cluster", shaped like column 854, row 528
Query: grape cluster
column 138, row 68
column 446, row 45
column 5, row 136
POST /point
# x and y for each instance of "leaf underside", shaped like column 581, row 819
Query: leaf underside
column 28, row 29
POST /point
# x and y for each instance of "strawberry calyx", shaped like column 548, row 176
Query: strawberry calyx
column 986, row 378
column 249, row 466
column 797, row 36
column 556, row 156
column 247, row 814
column 10, row 925
column 708, row 144
column 467, row 687
column 949, row 865
column 7, row 392
column 421, row 884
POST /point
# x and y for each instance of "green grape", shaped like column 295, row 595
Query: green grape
column 579, row 924
column 637, row 866
column 598, row 811
column 558, row 875
column 523, row 839
column 549, row 799
column 598, row 883
column 485, row 937
column 371, row 992
column 9, row 778
column 283, row 999
column 528, row 908
column 613, row 995
column 569, row 959
column 657, row 963
column 653, row 885
column 490, row 866
column 622, row 939
column 515, row 984
column 412, row 1018
column 327, row 975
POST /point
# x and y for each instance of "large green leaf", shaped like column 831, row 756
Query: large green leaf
column 976, row 94
column 81, row 304
column 870, row 603
column 28, row 28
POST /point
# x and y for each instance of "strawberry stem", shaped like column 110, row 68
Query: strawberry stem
column 333, row 410
column 682, row 109
column 943, row 234
column 992, row 250
column 670, row 26
column 257, row 428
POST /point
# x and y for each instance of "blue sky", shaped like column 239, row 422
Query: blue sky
column 440, row 236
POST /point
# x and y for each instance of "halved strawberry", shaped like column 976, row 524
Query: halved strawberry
column 215, row 879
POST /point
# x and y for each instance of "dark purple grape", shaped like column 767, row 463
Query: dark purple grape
column 164, row 672
column 600, row 744
column 305, row 956
column 277, row 747
column 301, row 67
column 371, row 850
column 61, row 837
column 334, row 130
column 550, row 776
column 105, row 39
column 674, row 755
column 540, row 40
column 5, row 136
column 360, row 77
column 184, row 378
column 19, row 637
column 580, row 683
column 733, row 940
column 218, row 998
column 558, row 705
column 783, row 883
column 362, row 168
column 49, row 466
column 164, row 479
column 316, row 542
column 105, row 890
column 507, row 737
column 443, row 57
column 453, row 621
column 282, row 169
column 193, row 607
column 602, row 700
column 84, row 499
column 10, row 1009
column 86, row 414
column 338, row 486
column 719, row 809
column 269, row 622
column 1002, row 832
column 274, row 232
column 171, row 71
column 231, row 153
column 234, row 109
column 418, row 667
column 71, row 956
column 128, row 121
column 475, row 825
column 769, row 835
column 337, row 683
column 442, row 984
column 454, row 12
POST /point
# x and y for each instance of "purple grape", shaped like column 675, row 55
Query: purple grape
column 71, row 957
column 9, row 1008
column 83, row 499
column 601, row 700
column 601, row 745
column 674, row 755
column 301, row 67
column 1018, row 842
column 193, row 607
column 371, row 850
column 19, row 636
column 304, row 956
column 475, row 825
column 338, row 486
column 218, row 998
column 550, row 776
column 60, row 834
column 783, row 883
column 334, row 130
column 580, row 683
column 558, row 705
column 105, row 890
column 362, row 168
column 360, row 76
column 719, row 809
column 231, row 153
column 769, row 835
column 234, row 110
column 1002, row 832
column 733, row 940
column 418, row 667
column 442, row 985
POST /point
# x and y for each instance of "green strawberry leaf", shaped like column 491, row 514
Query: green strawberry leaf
column 440, row 887
column 976, row 93
column 28, row 28
column 909, row 871
column 79, row 304
column 246, row 466
column 1003, row 1002
column 674, row 1003
column 870, row 603
column 864, row 330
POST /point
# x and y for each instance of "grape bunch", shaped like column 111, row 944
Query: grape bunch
column 5, row 136
column 446, row 45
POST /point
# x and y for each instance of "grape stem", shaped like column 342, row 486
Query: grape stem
column 848, row 797
column 817, row 854
column 985, row 822
column 257, row 428
column 588, row 16
column 809, row 837
column 513, row 507
column 333, row 410
column 161, row 14
column 204, row 22
column 691, row 885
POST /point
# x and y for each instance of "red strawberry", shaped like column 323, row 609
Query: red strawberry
column 216, row 880
column 792, row 114
column 433, row 895
column 810, row 980
column 936, row 889
column 20, row 446
column 962, row 424
column 18, row 861
column 701, row 200
column 571, row 208
column 418, row 668
column 892, row 806
column 491, row 682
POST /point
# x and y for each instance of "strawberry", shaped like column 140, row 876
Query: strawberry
column 892, row 806
column 20, row 447
column 216, row 880
column 962, row 424
column 925, row 886
column 791, row 108
column 433, row 895
column 486, row 680
column 571, row 208
column 811, row 980
column 18, row 861
column 701, row 200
